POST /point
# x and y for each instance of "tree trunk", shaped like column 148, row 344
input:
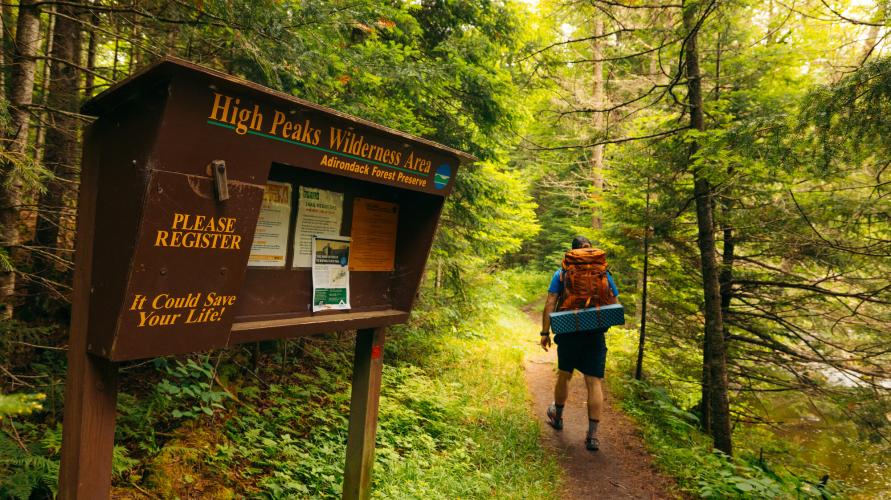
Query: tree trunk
column 133, row 53
column 15, row 138
column 61, row 150
column 7, row 31
column 638, row 372
column 725, row 278
column 705, row 401
column 597, row 153
column 872, row 35
column 89, row 78
column 42, row 82
column 714, row 355
column 117, row 44
column 3, row 32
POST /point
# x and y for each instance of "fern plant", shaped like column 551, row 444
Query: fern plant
column 25, row 472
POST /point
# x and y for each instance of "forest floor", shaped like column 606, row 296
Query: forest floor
column 622, row 468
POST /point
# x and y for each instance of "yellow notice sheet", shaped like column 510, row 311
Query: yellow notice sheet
column 270, row 245
column 373, row 235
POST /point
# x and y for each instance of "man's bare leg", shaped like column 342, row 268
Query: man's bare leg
column 561, row 393
column 595, row 397
column 561, row 389
column 595, row 405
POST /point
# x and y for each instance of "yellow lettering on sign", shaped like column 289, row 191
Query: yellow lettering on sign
column 388, row 175
column 166, row 309
column 296, row 131
column 219, row 300
column 416, row 162
column 225, row 109
column 351, row 143
column 199, row 231
column 411, row 180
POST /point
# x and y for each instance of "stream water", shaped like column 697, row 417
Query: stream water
column 832, row 442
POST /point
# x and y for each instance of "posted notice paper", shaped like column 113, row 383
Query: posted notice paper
column 374, row 235
column 330, row 273
column 318, row 212
column 270, row 246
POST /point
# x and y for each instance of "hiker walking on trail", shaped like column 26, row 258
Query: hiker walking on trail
column 582, row 281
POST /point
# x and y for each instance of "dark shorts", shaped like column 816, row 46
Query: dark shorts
column 583, row 351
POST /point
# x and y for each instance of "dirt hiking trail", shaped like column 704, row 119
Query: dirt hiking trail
column 620, row 469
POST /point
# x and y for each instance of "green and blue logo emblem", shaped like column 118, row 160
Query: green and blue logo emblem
column 443, row 174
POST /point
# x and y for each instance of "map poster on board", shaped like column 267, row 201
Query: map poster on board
column 330, row 273
column 270, row 247
column 318, row 212
column 374, row 235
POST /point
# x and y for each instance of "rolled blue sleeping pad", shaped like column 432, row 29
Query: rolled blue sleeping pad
column 591, row 318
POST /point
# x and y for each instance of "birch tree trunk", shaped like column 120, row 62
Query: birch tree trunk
column 15, row 142
column 41, row 81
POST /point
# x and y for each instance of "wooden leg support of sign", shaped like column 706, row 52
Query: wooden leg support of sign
column 88, row 432
column 91, row 386
column 367, row 369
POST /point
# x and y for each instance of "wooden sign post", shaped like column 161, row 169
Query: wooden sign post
column 369, row 364
column 214, row 212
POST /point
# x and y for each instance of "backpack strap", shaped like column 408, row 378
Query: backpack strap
column 562, row 291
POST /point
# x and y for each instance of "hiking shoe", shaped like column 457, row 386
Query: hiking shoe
column 591, row 443
column 553, row 420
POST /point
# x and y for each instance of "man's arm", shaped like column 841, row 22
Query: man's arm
column 550, row 303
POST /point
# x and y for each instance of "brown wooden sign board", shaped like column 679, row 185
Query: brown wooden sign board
column 170, row 270
column 173, row 178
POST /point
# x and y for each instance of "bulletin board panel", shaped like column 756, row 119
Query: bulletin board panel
column 280, row 293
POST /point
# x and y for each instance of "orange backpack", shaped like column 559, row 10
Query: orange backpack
column 584, row 280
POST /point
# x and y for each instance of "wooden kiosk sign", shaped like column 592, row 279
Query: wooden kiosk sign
column 214, row 211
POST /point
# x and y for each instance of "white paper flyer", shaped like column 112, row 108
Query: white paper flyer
column 330, row 272
column 318, row 212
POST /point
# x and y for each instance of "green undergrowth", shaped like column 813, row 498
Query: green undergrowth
column 683, row 452
column 453, row 417
column 272, row 422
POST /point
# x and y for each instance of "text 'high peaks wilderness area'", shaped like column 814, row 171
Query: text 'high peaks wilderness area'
column 228, row 111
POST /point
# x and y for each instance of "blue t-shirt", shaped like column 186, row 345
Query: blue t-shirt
column 557, row 283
